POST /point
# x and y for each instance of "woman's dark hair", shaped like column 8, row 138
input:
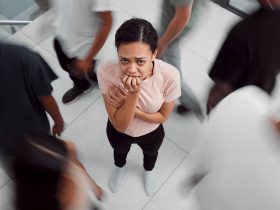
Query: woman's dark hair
column 135, row 30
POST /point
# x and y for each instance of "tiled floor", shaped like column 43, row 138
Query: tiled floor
column 86, row 118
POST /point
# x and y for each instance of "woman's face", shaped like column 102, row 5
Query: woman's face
column 135, row 59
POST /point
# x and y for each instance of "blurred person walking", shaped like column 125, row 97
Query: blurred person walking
column 177, row 19
column 249, row 55
column 78, row 40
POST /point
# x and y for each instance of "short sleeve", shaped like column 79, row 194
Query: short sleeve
column 103, row 81
column 101, row 5
column 173, row 87
column 40, row 74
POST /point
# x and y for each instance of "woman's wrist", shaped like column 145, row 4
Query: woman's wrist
column 133, row 91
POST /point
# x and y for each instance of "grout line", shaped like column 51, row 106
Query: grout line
column 5, row 183
column 168, row 139
column 76, row 118
column 196, row 53
column 161, row 186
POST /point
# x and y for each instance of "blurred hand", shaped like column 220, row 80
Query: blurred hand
column 117, row 96
column 276, row 125
column 57, row 128
column 132, row 84
column 84, row 65
column 99, row 193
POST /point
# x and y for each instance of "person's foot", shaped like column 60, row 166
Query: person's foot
column 149, row 183
column 74, row 93
column 115, row 179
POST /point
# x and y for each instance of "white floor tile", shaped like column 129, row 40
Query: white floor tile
column 207, row 36
column 173, row 194
column 3, row 178
column 140, row 9
column 21, row 39
column 182, row 129
column 41, row 28
column 47, row 44
column 195, row 73
column 6, row 197
column 73, row 110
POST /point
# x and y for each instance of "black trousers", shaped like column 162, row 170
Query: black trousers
column 149, row 143
column 78, row 79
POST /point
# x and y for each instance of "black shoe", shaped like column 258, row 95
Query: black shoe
column 74, row 93
column 181, row 109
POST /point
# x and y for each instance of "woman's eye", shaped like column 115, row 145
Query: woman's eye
column 124, row 61
column 140, row 62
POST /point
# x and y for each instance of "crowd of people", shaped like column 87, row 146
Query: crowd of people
column 148, row 68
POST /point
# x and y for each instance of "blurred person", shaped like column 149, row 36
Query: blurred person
column 47, row 174
column 236, row 162
column 177, row 19
column 78, row 40
column 249, row 55
column 139, row 93
column 26, row 93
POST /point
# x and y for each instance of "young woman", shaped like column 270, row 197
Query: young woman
column 139, row 92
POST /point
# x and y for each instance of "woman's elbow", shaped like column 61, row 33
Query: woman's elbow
column 120, row 128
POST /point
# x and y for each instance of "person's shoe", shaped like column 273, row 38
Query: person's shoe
column 182, row 109
column 74, row 93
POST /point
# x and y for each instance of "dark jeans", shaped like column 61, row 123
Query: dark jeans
column 78, row 79
column 149, row 143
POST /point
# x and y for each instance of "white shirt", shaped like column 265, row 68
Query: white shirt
column 77, row 24
column 240, row 149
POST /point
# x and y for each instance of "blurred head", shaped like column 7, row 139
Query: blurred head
column 136, row 41
column 37, row 164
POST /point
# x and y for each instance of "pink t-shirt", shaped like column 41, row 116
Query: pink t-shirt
column 163, row 86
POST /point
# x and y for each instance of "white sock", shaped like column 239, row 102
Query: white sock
column 149, row 183
column 115, row 179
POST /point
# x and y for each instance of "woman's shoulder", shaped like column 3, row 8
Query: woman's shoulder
column 108, row 68
column 166, row 70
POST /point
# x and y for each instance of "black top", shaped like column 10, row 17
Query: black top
column 250, row 54
column 24, row 76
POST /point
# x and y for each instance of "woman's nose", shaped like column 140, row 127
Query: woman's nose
column 132, row 68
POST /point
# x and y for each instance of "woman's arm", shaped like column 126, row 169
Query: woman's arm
column 158, row 117
column 123, row 115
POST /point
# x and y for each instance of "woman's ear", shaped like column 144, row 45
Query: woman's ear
column 154, row 55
